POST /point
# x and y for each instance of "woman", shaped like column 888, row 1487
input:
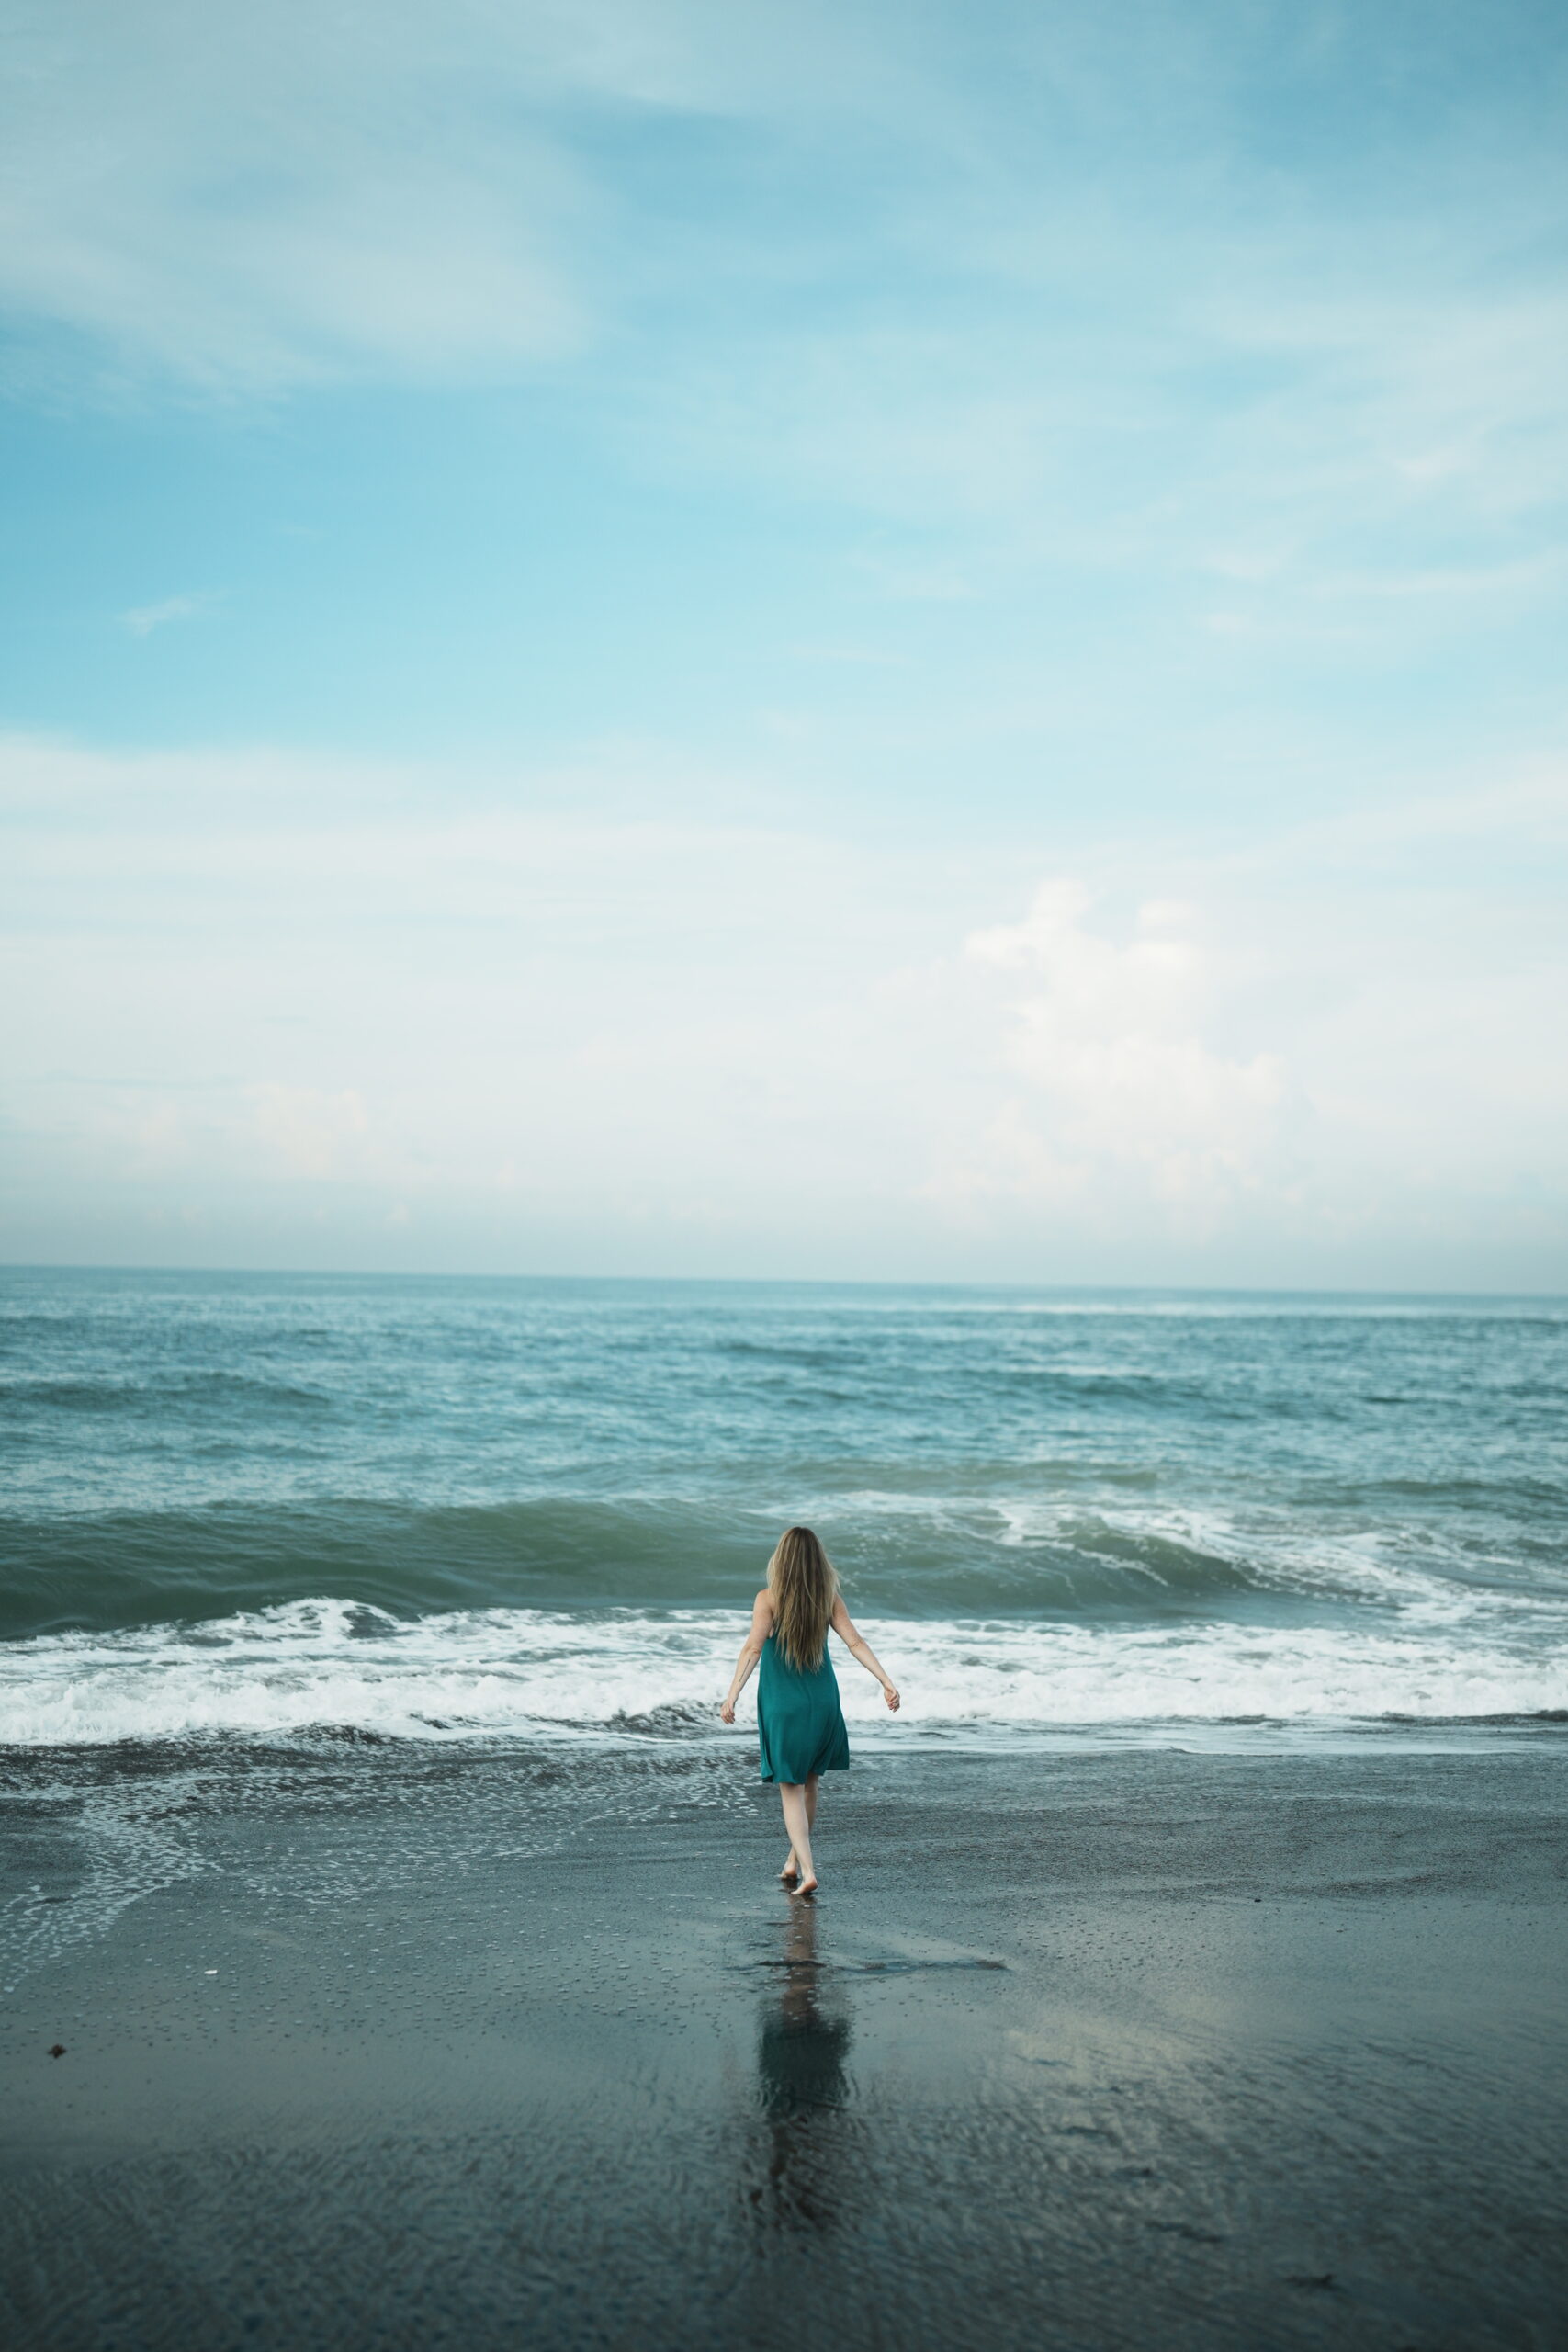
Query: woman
column 800, row 1727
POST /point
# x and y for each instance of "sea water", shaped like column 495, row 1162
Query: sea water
column 262, row 1507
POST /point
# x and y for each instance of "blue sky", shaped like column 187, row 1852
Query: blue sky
column 667, row 638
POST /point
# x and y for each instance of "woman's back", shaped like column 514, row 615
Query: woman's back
column 800, row 1724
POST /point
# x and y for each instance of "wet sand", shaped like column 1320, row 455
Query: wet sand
column 383, row 2047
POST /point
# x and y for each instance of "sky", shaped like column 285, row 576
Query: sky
column 917, row 643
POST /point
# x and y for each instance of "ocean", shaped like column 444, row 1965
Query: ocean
column 259, row 1508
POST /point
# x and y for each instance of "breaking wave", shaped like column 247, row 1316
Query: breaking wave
column 631, row 1674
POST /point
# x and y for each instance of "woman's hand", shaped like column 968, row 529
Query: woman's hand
column 727, row 1712
column 891, row 1696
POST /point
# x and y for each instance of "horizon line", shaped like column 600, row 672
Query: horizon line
column 784, row 1282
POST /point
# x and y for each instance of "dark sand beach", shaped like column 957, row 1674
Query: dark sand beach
column 371, row 2044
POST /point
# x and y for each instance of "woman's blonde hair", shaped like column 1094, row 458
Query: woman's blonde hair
column 806, row 1591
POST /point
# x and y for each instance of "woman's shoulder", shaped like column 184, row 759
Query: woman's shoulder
column 764, row 1601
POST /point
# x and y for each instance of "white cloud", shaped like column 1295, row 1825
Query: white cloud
column 310, row 1132
column 251, row 203
column 142, row 619
column 1107, row 1034
column 264, row 991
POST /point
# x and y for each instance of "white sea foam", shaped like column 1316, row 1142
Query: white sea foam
column 629, row 1674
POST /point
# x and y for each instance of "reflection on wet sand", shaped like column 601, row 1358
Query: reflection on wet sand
column 802, row 2046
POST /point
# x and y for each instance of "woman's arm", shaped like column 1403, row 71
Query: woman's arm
column 751, row 1651
column 858, row 1646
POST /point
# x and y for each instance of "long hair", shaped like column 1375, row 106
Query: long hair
column 805, row 1591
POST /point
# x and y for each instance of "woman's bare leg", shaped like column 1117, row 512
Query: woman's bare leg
column 791, row 1869
column 797, row 1821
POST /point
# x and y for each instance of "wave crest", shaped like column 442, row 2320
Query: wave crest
column 964, row 1556
column 636, row 1676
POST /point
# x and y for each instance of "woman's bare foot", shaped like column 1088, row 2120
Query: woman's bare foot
column 791, row 1869
column 807, row 1885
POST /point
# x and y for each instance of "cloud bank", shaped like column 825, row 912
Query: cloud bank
column 299, row 1016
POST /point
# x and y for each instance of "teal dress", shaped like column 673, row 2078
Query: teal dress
column 800, row 1725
